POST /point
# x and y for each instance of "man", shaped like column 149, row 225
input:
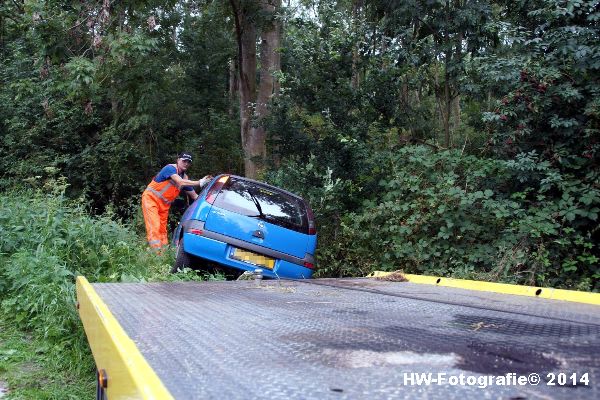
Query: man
column 161, row 192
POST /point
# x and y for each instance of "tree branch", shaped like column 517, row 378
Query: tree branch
column 19, row 6
column 238, row 31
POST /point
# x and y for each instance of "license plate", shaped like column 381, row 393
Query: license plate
column 253, row 258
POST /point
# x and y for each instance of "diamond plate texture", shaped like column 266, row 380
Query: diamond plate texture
column 352, row 339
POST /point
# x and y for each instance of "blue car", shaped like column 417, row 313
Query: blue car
column 243, row 224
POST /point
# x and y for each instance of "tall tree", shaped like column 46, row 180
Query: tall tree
column 357, row 15
column 251, row 17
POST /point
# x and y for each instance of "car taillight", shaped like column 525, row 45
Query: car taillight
column 196, row 231
column 312, row 227
column 309, row 265
column 215, row 189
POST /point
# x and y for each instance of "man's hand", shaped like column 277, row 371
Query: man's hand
column 204, row 180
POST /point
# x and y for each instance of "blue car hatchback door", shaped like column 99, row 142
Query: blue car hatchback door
column 243, row 224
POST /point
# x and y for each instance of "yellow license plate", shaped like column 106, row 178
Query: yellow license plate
column 253, row 258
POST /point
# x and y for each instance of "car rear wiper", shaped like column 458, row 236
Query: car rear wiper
column 260, row 215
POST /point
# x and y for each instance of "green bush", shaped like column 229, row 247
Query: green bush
column 327, row 196
column 450, row 214
column 45, row 242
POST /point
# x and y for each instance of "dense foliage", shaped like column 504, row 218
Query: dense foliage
column 518, row 198
column 105, row 94
column 46, row 241
column 438, row 137
column 502, row 95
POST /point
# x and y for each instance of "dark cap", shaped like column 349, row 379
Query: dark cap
column 185, row 156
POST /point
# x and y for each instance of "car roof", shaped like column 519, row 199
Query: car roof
column 266, row 185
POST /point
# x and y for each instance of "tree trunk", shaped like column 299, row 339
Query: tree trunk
column 357, row 7
column 253, row 105
column 247, row 90
column 456, row 112
column 268, row 66
column 279, row 30
column 440, row 102
column 233, row 85
column 1, row 34
column 114, row 87
column 447, row 99
column 456, row 97
column 278, row 37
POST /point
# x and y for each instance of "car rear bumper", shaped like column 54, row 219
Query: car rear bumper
column 219, row 252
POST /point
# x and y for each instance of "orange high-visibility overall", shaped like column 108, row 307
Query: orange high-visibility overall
column 156, row 201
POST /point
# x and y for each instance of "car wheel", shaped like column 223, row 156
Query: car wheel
column 182, row 259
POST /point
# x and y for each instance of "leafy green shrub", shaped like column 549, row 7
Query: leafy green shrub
column 445, row 213
column 45, row 242
column 41, row 293
column 448, row 214
column 326, row 195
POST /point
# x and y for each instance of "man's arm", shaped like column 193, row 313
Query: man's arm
column 187, row 182
column 190, row 191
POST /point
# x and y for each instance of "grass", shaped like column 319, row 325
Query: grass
column 46, row 241
column 32, row 369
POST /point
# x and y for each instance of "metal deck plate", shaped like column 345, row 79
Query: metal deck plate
column 353, row 339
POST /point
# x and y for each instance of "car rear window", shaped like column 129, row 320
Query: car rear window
column 255, row 200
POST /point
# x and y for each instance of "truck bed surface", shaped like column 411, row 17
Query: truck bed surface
column 355, row 339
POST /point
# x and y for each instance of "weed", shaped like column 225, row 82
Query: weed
column 46, row 241
column 29, row 366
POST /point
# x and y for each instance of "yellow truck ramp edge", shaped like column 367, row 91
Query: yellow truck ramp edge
column 128, row 375
column 505, row 288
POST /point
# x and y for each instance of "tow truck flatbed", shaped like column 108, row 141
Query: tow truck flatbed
column 337, row 339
